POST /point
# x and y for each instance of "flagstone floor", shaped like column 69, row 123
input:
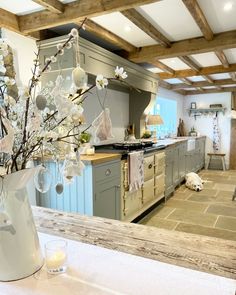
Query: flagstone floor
column 210, row 212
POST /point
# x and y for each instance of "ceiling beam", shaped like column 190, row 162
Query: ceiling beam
column 135, row 17
column 164, row 84
column 202, row 72
column 54, row 6
column 223, row 59
column 107, row 35
column 74, row 12
column 196, row 12
column 188, row 61
column 9, row 20
column 162, row 66
column 186, row 81
column 221, row 41
column 204, row 84
column 205, row 91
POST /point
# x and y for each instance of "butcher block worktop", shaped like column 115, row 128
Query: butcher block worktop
column 99, row 158
column 205, row 254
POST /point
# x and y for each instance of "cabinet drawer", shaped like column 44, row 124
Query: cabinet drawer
column 107, row 171
column 159, row 185
column 148, row 167
column 148, row 191
column 159, row 163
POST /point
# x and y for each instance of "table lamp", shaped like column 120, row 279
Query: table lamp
column 154, row 120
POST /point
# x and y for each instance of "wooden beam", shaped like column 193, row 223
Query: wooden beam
column 164, row 84
column 208, row 79
column 108, row 36
column 54, row 6
column 233, row 76
column 221, row 41
column 188, row 61
column 9, row 21
column 202, row 72
column 223, row 59
column 204, row 84
column 196, row 12
column 135, row 17
column 75, row 11
column 162, row 66
column 186, row 81
column 204, row 91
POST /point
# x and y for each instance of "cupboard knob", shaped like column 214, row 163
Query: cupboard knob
column 108, row 172
column 150, row 166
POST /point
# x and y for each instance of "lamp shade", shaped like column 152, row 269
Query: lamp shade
column 154, row 120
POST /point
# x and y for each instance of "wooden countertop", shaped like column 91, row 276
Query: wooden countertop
column 99, row 158
column 196, row 252
column 95, row 159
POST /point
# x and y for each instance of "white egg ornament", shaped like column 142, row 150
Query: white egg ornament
column 41, row 102
column 79, row 77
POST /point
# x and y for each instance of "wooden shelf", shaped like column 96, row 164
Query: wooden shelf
column 200, row 112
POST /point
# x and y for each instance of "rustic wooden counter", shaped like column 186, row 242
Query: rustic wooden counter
column 196, row 252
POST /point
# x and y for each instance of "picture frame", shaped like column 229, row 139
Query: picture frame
column 193, row 105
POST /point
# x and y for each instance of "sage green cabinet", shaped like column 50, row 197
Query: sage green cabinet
column 179, row 162
column 106, row 196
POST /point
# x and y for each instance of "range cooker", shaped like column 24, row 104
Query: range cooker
column 125, row 147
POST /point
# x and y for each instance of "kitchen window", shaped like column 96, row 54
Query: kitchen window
column 167, row 109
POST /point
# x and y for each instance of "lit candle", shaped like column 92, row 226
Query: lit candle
column 56, row 260
column 90, row 151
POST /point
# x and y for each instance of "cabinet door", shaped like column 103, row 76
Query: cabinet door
column 176, row 166
column 107, row 200
column 169, row 179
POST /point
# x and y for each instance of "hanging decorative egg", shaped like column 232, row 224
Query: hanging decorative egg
column 42, row 179
column 79, row 77
column 59, row 188
column 41, row 102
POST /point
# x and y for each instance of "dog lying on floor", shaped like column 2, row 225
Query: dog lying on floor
column 194, row 182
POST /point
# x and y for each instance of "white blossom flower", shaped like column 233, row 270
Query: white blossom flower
column 59, row 46
column 47, row 60
column 2, row 69
column 68, row 45
column 53, row 58
column 74, row 33
column 101, row 82
column 61, row 52
column 24, row 92
column 51, row 135
column 119, row 73
column 9, row 100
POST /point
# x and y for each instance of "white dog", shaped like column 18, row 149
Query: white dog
column 194, row 182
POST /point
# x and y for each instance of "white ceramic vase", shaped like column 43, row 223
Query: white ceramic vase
column 20, row 253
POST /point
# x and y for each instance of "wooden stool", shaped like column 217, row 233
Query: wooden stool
column 234, row 195
column 222, row 156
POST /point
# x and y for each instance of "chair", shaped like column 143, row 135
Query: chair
column 219, row 156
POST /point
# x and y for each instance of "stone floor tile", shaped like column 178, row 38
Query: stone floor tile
column 228, row 223
column 161, row 211
column 206, row 231
column 187, row 205
column 193, row 217
column 182, row 195
column 161, row 223
column 222, row 193
column 219, row 209
column 208, row 192
column 225, row 187
column 202, row 198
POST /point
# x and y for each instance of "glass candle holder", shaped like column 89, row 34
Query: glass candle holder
column 56, row 256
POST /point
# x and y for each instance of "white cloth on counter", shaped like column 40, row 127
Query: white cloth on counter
column 136, row 170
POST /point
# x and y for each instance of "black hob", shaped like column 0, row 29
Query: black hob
column 124, row 148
